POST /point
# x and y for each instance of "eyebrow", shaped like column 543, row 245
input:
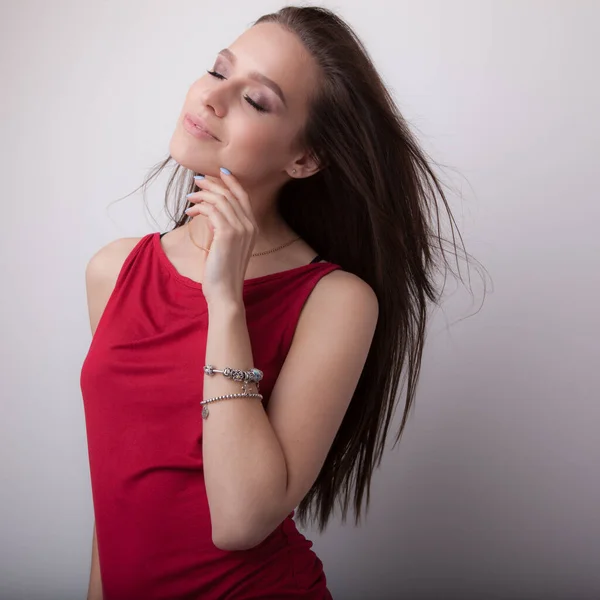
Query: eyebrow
column 256, row 75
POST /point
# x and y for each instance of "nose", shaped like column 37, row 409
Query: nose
column 215, row 99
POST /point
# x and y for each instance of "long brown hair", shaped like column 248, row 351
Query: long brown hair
column 371, row 210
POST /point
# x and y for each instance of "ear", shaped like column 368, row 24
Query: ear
column 303, row 166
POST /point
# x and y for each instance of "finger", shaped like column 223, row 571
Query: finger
column 192, row 210
column 218, row 222
column 240, row 193
column 222, row 203
column 219, row 188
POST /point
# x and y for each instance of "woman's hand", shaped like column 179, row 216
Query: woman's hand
column 226, row 205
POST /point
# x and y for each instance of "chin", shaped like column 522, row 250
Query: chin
column 191, row 157
column 189, row 153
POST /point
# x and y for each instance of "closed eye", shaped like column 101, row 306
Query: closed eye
column 258, row 107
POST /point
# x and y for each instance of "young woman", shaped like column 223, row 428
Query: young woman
column 246, row 363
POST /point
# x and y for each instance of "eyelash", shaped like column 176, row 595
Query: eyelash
column 258, row 107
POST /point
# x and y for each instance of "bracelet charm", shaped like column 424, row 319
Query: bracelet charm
column 245, row 377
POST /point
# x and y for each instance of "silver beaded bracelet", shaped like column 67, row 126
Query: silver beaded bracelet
column 246, row 377
column 205, row 402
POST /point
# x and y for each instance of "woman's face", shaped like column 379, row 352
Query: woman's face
column 266, row 66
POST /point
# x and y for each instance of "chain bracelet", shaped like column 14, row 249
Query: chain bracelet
column 203, row 403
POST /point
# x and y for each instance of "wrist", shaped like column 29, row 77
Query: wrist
column 226, row 309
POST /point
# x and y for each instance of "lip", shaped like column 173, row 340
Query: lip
column 193, row 122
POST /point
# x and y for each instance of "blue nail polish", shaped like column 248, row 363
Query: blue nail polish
column 188, row 195
column 198, row 177
column 226, row 171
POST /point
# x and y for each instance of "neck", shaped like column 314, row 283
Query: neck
column 273, row 231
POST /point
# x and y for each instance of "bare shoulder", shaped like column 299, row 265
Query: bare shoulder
column 343, row 283
column 344, row 296
column 106, row 263
column 101, row 275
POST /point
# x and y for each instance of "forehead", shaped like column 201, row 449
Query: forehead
column 277, row 53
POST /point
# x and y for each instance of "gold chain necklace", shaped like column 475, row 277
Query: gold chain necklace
column 255, row 254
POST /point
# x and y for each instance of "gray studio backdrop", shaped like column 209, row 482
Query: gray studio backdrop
column 493, row 492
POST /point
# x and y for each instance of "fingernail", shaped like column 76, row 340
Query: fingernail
column 187, row 210
column 197, row 177
column 226, row 171
column 188, row 195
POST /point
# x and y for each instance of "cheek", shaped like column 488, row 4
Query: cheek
column 251, row 134
column 255, row 146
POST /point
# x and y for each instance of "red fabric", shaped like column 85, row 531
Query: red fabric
column 141, row 384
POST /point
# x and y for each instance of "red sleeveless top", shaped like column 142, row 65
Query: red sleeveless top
column 141, row 384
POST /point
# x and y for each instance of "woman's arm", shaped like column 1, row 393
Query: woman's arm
column 241, row 455
column 95, row 584
column 259, row 464
column 101, row 275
